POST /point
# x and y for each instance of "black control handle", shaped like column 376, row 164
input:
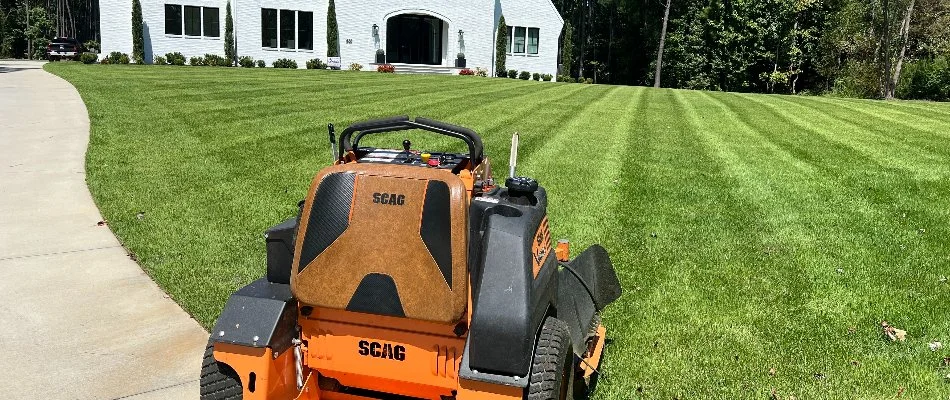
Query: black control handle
column 394, row 124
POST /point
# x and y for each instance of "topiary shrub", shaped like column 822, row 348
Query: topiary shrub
column 536, row 76
column 547, row 77
column 88, row 58
column 158, row 60
column 196, row 61
column 316, row 63
column 261, row 64
column 214, row 60
column 246, row 62
column 501, row 47
column 524, row 75
column 513, row 73
column 285, row 63
column 175, row 58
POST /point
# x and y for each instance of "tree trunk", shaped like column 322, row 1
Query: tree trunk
column 905, row 32
column 659, row 52
column 580, row 65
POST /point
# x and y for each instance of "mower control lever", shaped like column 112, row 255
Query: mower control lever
column 406, row 144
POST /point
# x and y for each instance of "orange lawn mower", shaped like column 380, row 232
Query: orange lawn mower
column 411, row 275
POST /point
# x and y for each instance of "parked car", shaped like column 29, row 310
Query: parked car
column 63, row 47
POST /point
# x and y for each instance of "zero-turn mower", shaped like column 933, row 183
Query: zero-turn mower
column 412, row 275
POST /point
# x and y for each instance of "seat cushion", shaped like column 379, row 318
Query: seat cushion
column 384, row 239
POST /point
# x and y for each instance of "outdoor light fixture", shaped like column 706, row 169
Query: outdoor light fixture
column 460, row 34
column 375, row 30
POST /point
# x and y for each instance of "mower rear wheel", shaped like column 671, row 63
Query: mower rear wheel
column 552, row 370
column 218, row 380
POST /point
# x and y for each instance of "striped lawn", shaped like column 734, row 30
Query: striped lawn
column 751, row 233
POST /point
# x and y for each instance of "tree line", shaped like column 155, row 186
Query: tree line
column 27, row 25
column 860, row 48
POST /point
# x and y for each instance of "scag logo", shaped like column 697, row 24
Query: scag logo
column 382, row 350
column 392, row 199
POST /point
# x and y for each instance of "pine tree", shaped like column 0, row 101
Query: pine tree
column 230, row 50
column 333, row 36
column 138, row 39
column 501, row 48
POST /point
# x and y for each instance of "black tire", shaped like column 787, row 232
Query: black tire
column 218, row 380
column 552, row 369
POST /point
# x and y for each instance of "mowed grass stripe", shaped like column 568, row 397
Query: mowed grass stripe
column 749, row 232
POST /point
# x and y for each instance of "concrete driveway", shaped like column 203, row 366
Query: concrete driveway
column 78, row 318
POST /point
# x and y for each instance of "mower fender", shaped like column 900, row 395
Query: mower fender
column 261, row 314
column 586, row 285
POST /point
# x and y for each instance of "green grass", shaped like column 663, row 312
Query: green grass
column 750, row 232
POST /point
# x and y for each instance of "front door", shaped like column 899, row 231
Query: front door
column 414, row 39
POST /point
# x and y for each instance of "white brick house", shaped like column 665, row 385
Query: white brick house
column 428, row 33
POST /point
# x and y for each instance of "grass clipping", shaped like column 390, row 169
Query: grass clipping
column 895, row 334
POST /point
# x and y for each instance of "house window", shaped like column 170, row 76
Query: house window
column 287, row 29
column 212, row 28
column 534, row 36
column 269, row 27
column 172, row 19
column 511, row 37
column 519, row 40
column 192, row 21
column 305, row 30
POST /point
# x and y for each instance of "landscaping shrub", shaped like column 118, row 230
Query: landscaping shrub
column 230, row 49
column 196, row 61
column 589, row 81
column 536, row 76
column 246, row 62
column 158, row 60
column 91, row 46
column 513, row 73
column 88, row 58
column 175, row 58
column 547, row 77
column 214, row 60
column 138, row 33
column 115, row 56
column 386, row 69
column 524, row 75
column 104, row 61
column 466, row 71
column 479, row 71
column 501, row 47
column 356, row 67
column 333, row 32
column 316, row 63
column 261, row 64
column 285, row 63
column 124, row 59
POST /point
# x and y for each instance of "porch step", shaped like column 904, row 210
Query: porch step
column 423, row 69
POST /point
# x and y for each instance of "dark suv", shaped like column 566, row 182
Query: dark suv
column 61, row 47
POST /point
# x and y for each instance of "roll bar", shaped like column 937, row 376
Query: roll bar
column 402, row 123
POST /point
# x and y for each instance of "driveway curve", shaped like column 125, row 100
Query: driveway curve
column 78, row 318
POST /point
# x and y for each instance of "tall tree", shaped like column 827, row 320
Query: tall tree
column 904, row 34
column 567, row 50
column 501, row 48
column 230, row 49
column 138, row 32
column 659, row 52
column 333, row 33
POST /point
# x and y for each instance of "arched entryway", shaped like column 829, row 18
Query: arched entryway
column 415, row 39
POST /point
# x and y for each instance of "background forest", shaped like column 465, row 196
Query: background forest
column 854, row 48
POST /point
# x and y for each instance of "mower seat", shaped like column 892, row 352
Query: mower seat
column 384, row 239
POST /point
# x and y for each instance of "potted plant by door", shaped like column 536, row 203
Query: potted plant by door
column 380, row 56
column 460, row 61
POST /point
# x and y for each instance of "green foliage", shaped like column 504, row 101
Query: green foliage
column 927, row 79
column 138, row 33
column 116, row 56
column 285, row 63
column 246, row 62
column 524, row 75
column 91, row 46
column 123, row 59
column 316, row 63
column 175, row 58
column 513, row 73
column 261, row 64
column 196, row 61
column 501, row 47
column 567, row 50
column 547, row 77
column 41, row 29
column 88, row 58
column 159, row 60
column 230, row 49
column 333, row 34
column 356, row 67
column 214, row 60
